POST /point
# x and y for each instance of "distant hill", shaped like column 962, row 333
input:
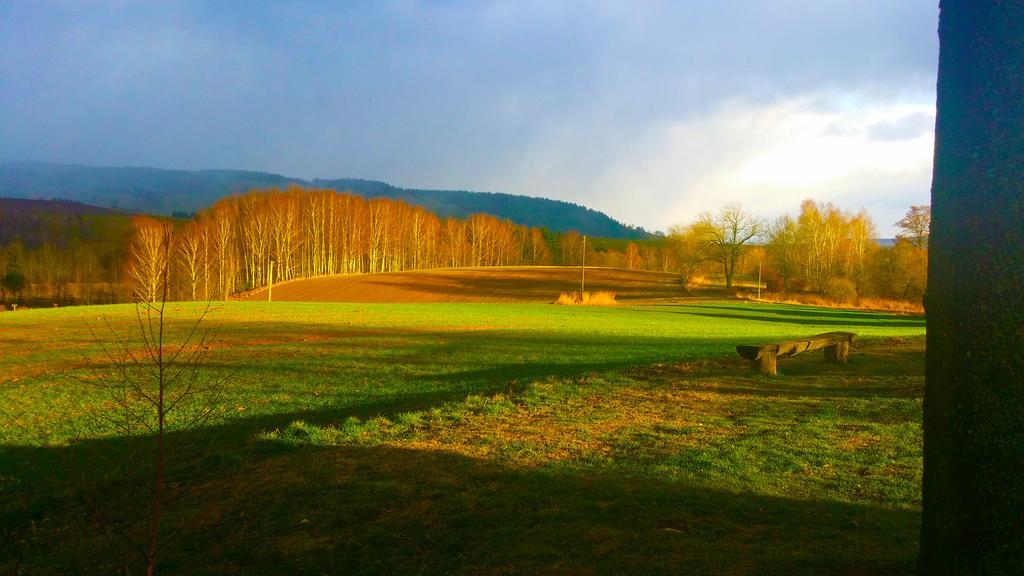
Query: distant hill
column 555, row 215
column 151, row 190
column 59, row 223
column 160, row 191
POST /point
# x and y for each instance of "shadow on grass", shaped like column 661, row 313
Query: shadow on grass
column 386, row 372
column 830, row 389
column 788, row 310
column 420, row 370
column 240, row 505
column 877, row 369
column 882, row 321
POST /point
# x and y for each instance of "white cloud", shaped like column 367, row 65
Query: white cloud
column 907, row 127
column 770, row 157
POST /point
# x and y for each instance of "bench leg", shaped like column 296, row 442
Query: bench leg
column 832, row 353
column 767, row 363
column 838, row 353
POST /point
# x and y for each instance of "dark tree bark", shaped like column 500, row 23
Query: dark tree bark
column 973, row 517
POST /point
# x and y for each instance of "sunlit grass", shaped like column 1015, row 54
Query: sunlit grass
column 481, row 438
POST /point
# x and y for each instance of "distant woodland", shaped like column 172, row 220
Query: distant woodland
column 159, row 191
column 63, row 252
column 822, row 250
column 245, row 242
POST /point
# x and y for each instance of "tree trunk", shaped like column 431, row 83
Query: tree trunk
column 973, row 515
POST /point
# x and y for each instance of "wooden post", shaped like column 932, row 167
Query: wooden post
column 583, row 269
column 270, row 283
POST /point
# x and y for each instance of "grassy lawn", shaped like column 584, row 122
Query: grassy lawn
column 475, row 438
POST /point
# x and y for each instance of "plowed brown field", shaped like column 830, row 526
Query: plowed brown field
column 512, row 284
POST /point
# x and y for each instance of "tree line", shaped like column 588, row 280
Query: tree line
column 290, row 233
column 61, row 251
column 244, row 241
column 822, row 249
column 247, row 241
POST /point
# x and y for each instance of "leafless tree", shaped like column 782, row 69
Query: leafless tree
column 916, row 225
column 149, row 251
column 726, row 235
column 155, row 383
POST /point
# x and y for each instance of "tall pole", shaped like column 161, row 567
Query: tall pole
column 270, row 284
column 759, row 280
column 583, row 268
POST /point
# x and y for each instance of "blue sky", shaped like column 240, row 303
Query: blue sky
column 649, row 111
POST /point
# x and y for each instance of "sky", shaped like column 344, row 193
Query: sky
column 649, row 111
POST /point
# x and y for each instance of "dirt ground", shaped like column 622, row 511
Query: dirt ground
column 513, row 284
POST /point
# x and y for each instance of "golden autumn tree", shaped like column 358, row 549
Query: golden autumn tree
column 149, row 254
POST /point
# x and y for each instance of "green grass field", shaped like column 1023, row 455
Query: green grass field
column 476, row 438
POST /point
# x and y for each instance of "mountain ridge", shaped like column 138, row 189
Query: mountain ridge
column 166, row 191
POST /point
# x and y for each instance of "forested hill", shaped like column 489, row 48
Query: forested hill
column 555, row 215
column 59, row 223
column 148, row 190
column 159, row 191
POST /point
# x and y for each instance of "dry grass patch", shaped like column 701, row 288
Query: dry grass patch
column 603, row 298
column 869, row 304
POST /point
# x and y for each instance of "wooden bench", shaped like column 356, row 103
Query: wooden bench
column 763, row 358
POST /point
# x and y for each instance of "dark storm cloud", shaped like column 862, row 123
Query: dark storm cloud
column 540, row 98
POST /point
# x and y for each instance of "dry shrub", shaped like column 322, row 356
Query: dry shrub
column 889, row 305
column 875, row 304
column 843, row 291
column 600, row 298
column 568, row 298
